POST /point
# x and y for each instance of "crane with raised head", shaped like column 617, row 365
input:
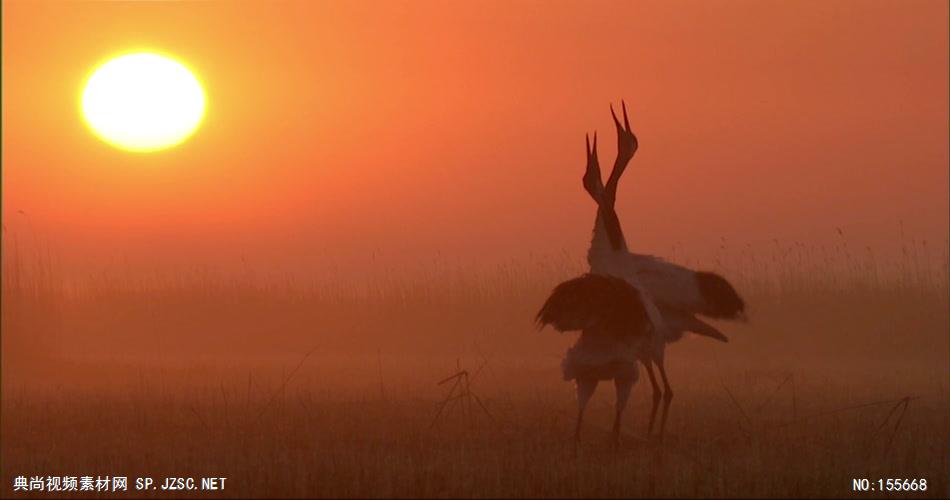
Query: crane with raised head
column 673, row 295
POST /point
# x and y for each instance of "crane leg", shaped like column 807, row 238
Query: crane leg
column 667, row 398
column 657, row 395
column 623, row 385
column 585, row 389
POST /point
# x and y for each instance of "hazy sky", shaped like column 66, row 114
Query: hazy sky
column 415, row 128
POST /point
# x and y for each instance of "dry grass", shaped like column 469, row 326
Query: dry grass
column 195, row 376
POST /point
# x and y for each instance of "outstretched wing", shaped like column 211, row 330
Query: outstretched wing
column 595, row 304
column 678, row 287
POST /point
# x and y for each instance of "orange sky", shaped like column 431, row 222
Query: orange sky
column 411, row 129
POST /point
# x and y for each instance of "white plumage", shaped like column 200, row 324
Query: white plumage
column 602, row 358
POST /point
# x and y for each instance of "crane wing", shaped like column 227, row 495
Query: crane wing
column 678, row 287
column 595, row 304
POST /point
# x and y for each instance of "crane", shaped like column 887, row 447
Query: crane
column 673, row 295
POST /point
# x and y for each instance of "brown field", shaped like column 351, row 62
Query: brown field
column 291, row 389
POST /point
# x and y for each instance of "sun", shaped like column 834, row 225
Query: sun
column 143, row 102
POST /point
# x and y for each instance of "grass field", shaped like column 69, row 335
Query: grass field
column 325, row 390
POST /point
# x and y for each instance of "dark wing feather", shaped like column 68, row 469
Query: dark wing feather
column 722, row 300
column 595, row 304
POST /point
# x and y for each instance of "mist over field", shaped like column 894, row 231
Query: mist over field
column 305, row 388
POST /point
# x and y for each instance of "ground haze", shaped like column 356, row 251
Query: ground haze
column 315, row 391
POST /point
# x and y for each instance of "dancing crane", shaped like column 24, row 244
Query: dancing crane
column 672, row 295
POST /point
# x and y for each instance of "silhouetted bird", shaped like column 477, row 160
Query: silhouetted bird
column 673, row 295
